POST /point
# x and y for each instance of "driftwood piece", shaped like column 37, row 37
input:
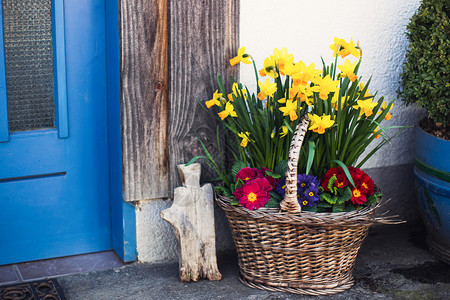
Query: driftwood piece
column 192, row 218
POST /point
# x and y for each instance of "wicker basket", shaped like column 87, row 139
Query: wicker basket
column 297, row 252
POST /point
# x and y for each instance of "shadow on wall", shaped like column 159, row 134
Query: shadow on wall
column 397, row 183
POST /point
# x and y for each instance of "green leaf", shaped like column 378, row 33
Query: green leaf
column 338, row 207
column 346, row 195
column 194, row 159
column 347, row 173
column 288, row 126
column 234, row 202
column 275, row 195
column 272, row 203
column 332, row 182
column 350, row 207
column 281, row 168
column 239, row 183
column 237, row 166
column 223, row 191
column 372, row 199
column 307, row 208
column 324, row 205
column 311, row 151
column 272, row 174
column 328, row 198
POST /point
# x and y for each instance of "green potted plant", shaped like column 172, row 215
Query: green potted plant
column 297, row 202
column 426, row 81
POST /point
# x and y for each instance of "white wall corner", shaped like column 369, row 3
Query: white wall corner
column 307, row 28
column 155, row 239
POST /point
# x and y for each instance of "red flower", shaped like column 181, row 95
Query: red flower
column 341, row 181
column 366, row 185
column 339, row 173
column 358, row 197
column 262, row 174
column 246, row 174
column 357, row 174
column 253, row 194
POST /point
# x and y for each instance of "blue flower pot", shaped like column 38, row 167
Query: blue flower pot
column 432, row 174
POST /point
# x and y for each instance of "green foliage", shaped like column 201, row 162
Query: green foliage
column 426, row 74
column 274, row 201
column 237, row 166
column 338, row 199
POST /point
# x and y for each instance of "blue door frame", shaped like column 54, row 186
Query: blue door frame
column 123, row 220
column 123, row 214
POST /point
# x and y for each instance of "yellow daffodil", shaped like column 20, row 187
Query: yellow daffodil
column 229, row 111
column 266, row 90
column 365, row 106
column 269, row 68
column 319, row 124
column 291, row 69
column 283, row 131
column 281, row 58
column 348, row 70
column 324, row 86
column 241, row 57
column 383, row 107
column 303, row 93
column 215, row 100
column 342, row 48
column 306, row 74
column 235, row 91
column 290, row 109
column 245, row 138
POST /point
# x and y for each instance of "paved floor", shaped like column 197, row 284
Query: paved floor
column 393, row 263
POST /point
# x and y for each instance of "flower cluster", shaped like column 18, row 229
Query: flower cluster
column 344, row 116
column 344, row 119
column 363, row 184
column 342, row 192
column 255, row 187
column 307, row 189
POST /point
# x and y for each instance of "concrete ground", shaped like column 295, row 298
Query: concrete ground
column 393, row 263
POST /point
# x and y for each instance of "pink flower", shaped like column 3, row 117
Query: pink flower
column 262, row 174
column 254, row 193
column 246, row 174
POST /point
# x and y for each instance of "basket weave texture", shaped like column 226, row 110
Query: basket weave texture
column 298, row 252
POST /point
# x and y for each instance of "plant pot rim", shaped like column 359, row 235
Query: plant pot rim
column 419, row 126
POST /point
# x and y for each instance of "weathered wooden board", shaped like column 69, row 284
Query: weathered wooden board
column 204, row 36
column 144, row 71
column 192, row 218
column 159, row 112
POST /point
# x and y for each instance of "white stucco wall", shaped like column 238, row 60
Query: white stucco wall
column 307, row 29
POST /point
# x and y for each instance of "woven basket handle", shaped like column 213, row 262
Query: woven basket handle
column 290, row 203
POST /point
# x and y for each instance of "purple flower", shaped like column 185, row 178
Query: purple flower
column 307, row 190
column 280, row 187
column 305, row 181
column 311, row 195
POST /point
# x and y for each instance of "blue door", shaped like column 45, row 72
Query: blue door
column 54, row 182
